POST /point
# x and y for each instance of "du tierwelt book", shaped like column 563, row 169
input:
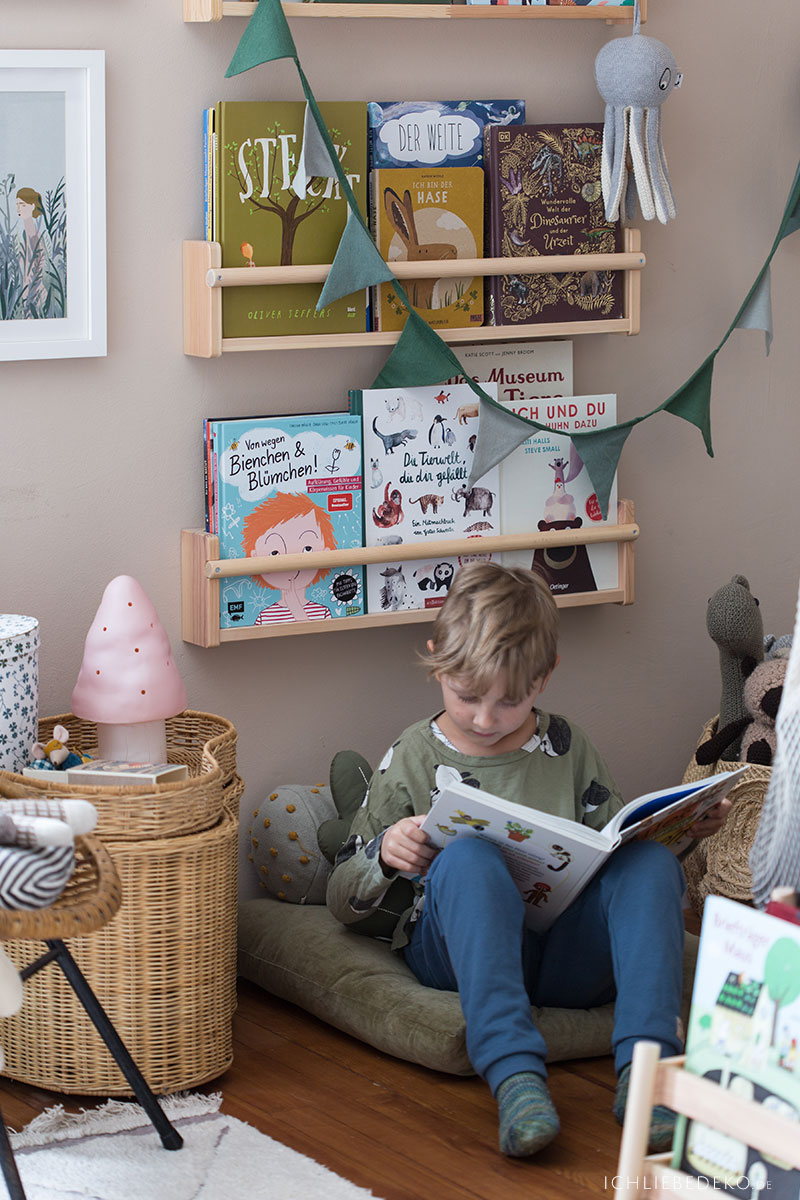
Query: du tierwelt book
column 552, row 859
column 418, row 449
column 288, row 485
column 744, row 1034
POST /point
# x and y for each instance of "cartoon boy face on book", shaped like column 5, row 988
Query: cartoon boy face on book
column 289, row 523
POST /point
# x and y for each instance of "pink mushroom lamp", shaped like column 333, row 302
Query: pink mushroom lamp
column 128, row 682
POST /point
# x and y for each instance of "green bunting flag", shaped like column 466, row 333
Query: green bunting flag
column 421, row 357
column 693, row 401
column 266, row 38
column 499, row 432
column 357, row 264
column 757, row 310
column 600, row 451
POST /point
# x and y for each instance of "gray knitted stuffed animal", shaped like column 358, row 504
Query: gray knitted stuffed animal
column 734, row 622
column 634, row 76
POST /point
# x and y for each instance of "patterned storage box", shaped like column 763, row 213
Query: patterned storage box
column 19, row 689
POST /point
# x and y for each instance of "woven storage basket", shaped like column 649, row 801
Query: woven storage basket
column 720, row 865
column 204, row 742
column 164, row 969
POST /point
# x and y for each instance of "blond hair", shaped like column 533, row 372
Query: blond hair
column 495, row 619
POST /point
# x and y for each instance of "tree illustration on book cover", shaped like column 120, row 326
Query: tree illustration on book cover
column 33, row 212
column 267, row 217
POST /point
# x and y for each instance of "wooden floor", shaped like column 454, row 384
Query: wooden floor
column 401, row 1131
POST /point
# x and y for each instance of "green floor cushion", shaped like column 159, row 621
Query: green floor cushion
column 300, row 953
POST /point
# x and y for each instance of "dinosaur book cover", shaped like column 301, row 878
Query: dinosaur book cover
column 418, row 449
column 544, row 196
column 265, row 220
column 288, row 485
column 428, row 215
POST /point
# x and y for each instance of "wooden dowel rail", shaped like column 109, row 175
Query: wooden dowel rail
column 214, row 10
column 224, row 568
column 445, row 269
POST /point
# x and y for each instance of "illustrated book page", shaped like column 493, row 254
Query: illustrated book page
column 551, row 859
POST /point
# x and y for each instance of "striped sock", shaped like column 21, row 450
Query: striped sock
column 662, row 1119
column 528, row 1120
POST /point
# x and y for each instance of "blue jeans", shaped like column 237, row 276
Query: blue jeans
column 622, row 939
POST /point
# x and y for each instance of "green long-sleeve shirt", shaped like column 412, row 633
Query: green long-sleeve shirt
column 558, row 771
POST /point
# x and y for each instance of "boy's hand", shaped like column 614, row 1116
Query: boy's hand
column 406, row 848
column 713, row 820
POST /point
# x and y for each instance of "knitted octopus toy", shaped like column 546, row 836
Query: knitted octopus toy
column 634, row 76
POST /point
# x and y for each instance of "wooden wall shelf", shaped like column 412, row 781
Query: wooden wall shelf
column 204, row 277
column 214, row 10
column 202, row 569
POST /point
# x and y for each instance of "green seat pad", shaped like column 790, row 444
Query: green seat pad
column 302, row 954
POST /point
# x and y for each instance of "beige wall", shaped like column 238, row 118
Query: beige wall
column 100, row 459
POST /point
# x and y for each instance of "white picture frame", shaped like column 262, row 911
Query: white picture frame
column 53, row 236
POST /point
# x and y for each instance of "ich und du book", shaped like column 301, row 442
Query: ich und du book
column 744, row 1034
column 418, row 449
column 551, row 859
column 287, row 485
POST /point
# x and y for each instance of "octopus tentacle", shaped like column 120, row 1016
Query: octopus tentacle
column 662, row 190
column 618, row 170
column 640, row 168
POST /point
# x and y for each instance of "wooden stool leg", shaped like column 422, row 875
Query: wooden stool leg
column 170, row 1138
column 9, row 1166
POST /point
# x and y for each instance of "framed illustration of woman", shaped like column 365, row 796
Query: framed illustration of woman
column 52, row 204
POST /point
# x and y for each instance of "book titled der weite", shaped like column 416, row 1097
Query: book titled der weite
column 544, row 197
column 261, row 220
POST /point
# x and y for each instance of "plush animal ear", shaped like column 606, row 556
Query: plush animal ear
column 61, row 734
column 349, row 778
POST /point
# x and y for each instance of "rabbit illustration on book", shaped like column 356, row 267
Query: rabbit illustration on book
column 401, row 217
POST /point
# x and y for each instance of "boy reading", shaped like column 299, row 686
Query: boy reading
column 493, row 650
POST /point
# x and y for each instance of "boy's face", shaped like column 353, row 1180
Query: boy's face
column 488, row 724
column 298, row 535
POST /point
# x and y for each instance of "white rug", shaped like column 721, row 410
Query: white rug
column 114, row 1153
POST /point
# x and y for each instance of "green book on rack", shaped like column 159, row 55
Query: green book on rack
column 262, row 220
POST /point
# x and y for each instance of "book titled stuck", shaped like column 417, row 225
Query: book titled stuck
column 551, row 859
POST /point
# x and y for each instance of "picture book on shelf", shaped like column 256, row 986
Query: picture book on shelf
column 288, row 485
column 544, row 197
column 551, row 859
column 744, row 1033
column 262, row 219
column 418, row 448
column 544, row 485
column 427, row 214
column 525, row 372
column 434, row 133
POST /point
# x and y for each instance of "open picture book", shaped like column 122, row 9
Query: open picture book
column 551, row 859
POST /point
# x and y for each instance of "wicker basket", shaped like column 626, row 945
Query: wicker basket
column 164, row 969
column 205, row 743
column 720, row 865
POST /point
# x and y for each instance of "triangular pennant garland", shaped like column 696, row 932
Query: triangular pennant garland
column 421, row 357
